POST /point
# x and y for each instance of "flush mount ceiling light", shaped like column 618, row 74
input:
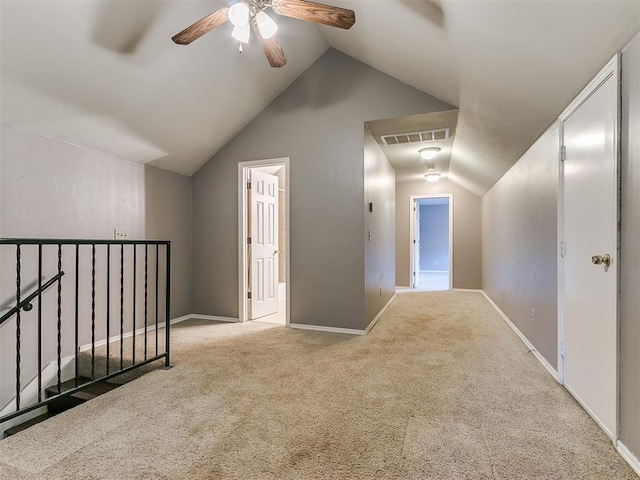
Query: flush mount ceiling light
column 429, row 153
column 432, row 175
column 248, row 14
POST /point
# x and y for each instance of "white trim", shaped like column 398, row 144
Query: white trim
column 468, row 290
column 29, row 392
column 630, row 458
column 214, row 318
column 412, row 217
column 380, row 314
column 139, row 331
column 524, row 339
column 609, row 69
column 434, row 271
column 243, row 280
column 319, row 328
column 559, row 246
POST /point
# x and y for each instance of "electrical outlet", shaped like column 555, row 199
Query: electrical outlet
column 119, row 234
column 533, row 314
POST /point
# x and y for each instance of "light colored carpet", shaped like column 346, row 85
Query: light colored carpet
column 440, row 389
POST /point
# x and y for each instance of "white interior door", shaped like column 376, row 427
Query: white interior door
column 591, row 230
column 416, row 245
column 264, row 251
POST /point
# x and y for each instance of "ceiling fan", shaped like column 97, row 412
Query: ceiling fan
column 248, row 14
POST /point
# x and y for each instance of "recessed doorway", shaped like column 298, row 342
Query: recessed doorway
column 431, row 242
column 263, row 219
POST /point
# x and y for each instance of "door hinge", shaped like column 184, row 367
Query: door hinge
column 248, row 240
column 562, row 249
column 414, row 241
column 248, row 185
column 249, row 295
column 562, row 349
column 563, row 153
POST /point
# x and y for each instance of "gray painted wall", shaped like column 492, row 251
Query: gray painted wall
column 519, row 244
column 630, row 255
column 434, row 237
column 318, row 123
column 379, row 251
column 467, row 269
column 51, row 189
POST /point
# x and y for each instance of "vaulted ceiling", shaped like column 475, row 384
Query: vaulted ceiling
column 104, row 74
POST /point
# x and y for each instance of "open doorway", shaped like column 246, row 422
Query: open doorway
column 431, row 242
column 263, row 218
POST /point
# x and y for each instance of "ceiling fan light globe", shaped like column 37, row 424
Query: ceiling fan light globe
column 242, row 34
column 266, row 25
column 239, row 14
column 433, row 177
column 429, row 153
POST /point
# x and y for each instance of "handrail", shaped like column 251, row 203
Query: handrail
column 67, row 241
column 26, row 303
column 144, row 299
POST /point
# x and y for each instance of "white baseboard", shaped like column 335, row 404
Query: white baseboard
column 139, row 331
column 630, row 458
column 468, row 290
column 213, row 318
column 380, row 313
column 318, row 328
column 524, row 339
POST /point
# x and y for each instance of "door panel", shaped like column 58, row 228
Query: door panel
column 263, row 275
column 590, row 229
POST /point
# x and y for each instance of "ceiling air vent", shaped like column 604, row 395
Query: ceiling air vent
column 416, row 137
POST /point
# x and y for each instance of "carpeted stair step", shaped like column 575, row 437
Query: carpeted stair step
column 29, row 423
column 75, row 399
column 65, row 403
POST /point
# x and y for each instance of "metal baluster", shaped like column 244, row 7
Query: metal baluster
column 167, row 362
column 59, row 318
column 93, row 311
column 40, row 323
column 108, row 301
column 146, row 294
column 77, row 314
column 121, row 304
column 135, row 261
column 157, row 269
column 18, row 322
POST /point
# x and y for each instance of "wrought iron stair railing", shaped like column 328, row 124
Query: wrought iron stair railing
column 121, row 286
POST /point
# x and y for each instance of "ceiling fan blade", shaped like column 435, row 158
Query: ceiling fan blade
column 315, row 12
column 270, row 47
column 208, row 23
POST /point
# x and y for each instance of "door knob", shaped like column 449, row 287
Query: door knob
column 601, row 260
column 276, row 252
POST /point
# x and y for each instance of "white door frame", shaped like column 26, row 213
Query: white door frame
column 243, row 261
column 612, row 69
column 412, row 217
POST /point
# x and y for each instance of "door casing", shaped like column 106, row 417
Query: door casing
column 412, row 226
column 243, row 260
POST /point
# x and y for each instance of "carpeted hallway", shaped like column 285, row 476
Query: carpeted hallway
column 441, row 388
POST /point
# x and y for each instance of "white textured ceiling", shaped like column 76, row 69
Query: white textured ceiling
column 105, row 75
column 405, row 158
